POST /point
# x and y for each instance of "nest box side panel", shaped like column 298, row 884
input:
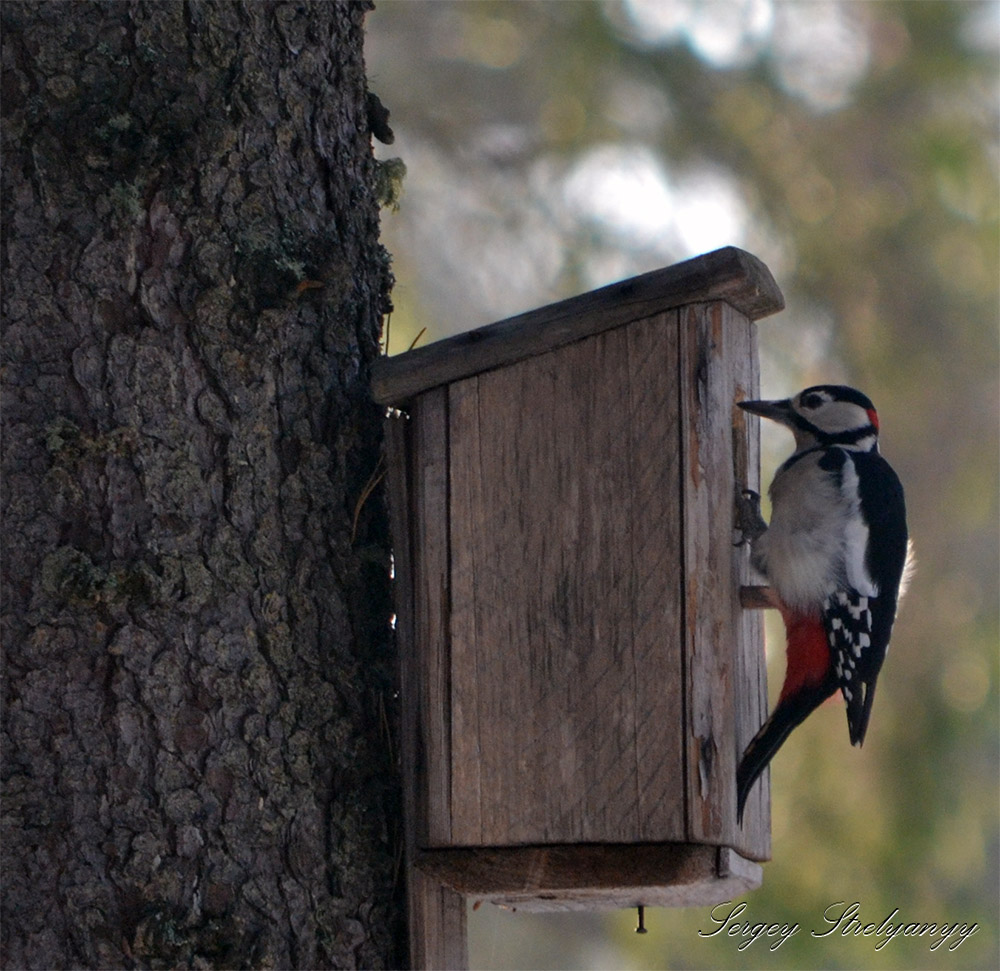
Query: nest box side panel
column 566, row 678
column 465, row 796
column 436, row 913
column 429, row 692
column 437, row 921
column 656, row 543
column 726, row 686
column 753, row 840
column 396, row 428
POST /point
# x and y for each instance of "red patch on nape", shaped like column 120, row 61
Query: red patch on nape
column 808, row 653
column 873, row 417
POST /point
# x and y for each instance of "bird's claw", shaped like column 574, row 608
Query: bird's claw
column 748, row 520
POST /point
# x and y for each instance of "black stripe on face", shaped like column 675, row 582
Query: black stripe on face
column 851, row 437
column 807, row 426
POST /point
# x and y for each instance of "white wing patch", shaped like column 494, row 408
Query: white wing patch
column 855, row 534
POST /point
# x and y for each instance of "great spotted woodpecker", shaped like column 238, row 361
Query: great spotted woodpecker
column 834, row 556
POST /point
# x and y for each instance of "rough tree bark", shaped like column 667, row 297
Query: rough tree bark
column 198, row 666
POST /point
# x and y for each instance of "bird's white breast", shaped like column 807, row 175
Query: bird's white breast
column 816, row 539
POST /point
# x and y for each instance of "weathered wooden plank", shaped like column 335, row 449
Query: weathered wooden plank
column 654, row 517
column 397, row 458
column 593, row 876
column 718, row 366
column 565, row 625
column 753, row 839
column 556, row 691
column 732, row 864
column 436, row 914
column 728, row 274
column 431, row 580
column 466, row 505
column 438, row 928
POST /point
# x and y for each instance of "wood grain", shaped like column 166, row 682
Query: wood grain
column 436, row 917
column 400, row 514
column 753, row 839
column 438, row 924
column 655, row 544
column 730, row 275
column 431, row 694
column 593, row 877
column 724, row 643
column 466, row 504
column 566, row 666
column 549, row 606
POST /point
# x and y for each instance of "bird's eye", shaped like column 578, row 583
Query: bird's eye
column 812, row 401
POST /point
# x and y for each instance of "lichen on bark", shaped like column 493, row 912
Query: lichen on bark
column 197, row 655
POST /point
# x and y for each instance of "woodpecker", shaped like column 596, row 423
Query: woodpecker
column 834, row 555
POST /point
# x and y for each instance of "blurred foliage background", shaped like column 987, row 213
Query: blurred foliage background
column 553, row 147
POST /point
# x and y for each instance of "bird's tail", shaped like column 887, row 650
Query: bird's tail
column 859, row 710
column 787, row 715
column 809, row 681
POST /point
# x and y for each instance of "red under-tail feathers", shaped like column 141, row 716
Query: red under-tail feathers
column 809, row 680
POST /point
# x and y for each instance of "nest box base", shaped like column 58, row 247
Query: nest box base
column 594, row 877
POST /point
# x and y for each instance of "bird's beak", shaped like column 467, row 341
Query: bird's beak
column 779, row 411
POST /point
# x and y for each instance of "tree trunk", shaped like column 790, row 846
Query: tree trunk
column 199, row 672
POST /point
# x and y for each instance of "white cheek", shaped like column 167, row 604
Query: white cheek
column 840, row 416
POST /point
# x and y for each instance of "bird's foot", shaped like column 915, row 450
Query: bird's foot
column 748, row 520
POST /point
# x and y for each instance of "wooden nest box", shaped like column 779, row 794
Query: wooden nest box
column 578, row 676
